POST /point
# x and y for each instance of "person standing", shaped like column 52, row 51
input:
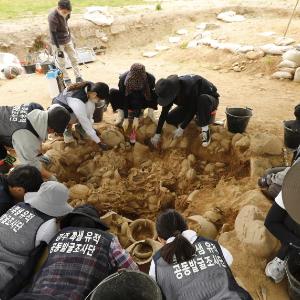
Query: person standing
column 61, row 39
column 194, row 96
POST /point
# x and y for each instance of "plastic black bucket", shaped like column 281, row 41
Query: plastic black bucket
column 293, row 275
column 98, row 113
column 29, row 69
column 127, row 285
column 291, row 134
column 238, row 118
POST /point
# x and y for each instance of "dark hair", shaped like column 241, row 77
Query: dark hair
column 297, row 112
column 171, row 223
column 80, row 221
column 101, row 88
column 27, row 177
column 65, row 4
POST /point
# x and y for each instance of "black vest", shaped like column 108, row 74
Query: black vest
column 205, row 276
column 78, row 259
column 13, row 118
column 61, row 99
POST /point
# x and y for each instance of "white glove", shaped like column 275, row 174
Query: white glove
column 135, row 123
column 125, row 124
column 155, row 140
column 52, row 178
column 45, row 159
column 178, row 133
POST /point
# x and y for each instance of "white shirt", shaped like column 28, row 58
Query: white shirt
column 83, row 113
column 46, row 232
column 191, row 236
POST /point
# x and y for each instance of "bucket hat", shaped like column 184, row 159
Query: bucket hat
column 291, row 192
column 167, row 89
column 87, row 211
column 51, row 199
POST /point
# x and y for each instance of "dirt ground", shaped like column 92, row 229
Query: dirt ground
column 272, row 101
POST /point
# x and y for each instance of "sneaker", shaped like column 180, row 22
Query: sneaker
column 275, row 269
column 206, row 138
column 79, row 79
column 68, row 137
column 67, row 82
column 81, row 132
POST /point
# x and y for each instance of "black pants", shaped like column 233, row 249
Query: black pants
column 205, row 105
column 135, row 101
column 3, row 152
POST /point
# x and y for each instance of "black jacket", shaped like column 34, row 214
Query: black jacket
column 6, row 200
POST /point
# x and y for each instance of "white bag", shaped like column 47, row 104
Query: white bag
column 292, row 55
column 288, row 64
column 282, row 75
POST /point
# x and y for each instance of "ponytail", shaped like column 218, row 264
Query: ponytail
column 180, row 248
column 171, row 223
column 78, row 86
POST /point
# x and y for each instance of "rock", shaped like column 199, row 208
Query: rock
column 266, row 143
column 237, row 69
column 292, row 55
column 274, row 49
column 142, row 229
column 288, row 64
column 209, row 168
column 253, row 197
column 140, row 153
column 112, row 137
column 220, row 165
column 236, row 138
column 213, row 216
column 282, row 75
column 194, row 196
column 284, row 41
column 79, row 191
column 250, row 230
column 191, row 158
column 243, row 143
column 217, row 137
column 258, row 166
column 117, row 28
column 191, row 174
column 253, row 55
column 297, row 75
column 288, row 70
column 202, row 226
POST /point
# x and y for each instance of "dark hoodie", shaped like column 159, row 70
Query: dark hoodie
column 6, row 200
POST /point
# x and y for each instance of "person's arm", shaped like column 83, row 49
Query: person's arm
column 119, row 257
column 275, row 224
column 80, row 112
column 122, row 89
column 152, row 272
column 162, row 118
column 46, row 232
column 54, row 38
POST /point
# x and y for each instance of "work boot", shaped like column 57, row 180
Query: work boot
column 68, row 136
column 120, row 117
column 275, row 269
column 79, row 79
column 206, row 138
column 79, row 130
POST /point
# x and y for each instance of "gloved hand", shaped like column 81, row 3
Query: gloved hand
column 135, row 123
column 178, row 132
column 45, row 159
column 52, row 178
column 125, row 124
column 60, row 54
column 264, row 181
column 155, row 140
column 103, row 146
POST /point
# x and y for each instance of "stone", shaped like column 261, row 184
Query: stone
column 142, row 229
column 237, row 69
column 194, row 196
column 266, row 143
column 79, row 192
column 209, row 168
column 213, row 216
column 191, row 174
column 112, row 137
column 292, row 55
column 243, row 143
column 258, row 166
column 250, row 230
column 117, row 28
column 253, row 55
column 140, row 153
column 297, row 75
column 288, row 64
column 202, row 226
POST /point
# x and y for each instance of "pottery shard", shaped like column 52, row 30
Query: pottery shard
column 265, row 143
column 140, row 153
column 202, row 226
column 250, row 230
column 79, row 191
column 112, row 137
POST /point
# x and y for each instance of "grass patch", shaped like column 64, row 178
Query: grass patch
column 158, row 6
column 25, row 8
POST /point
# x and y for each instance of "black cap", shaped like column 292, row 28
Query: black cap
column 58, row 119
column 167, row 90
column 65, row 4
column 86, row 210
column 101, row 89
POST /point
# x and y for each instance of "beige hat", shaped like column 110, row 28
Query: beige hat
column 51, row 199
column 291, row 192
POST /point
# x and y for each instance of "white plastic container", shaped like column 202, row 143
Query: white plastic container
column 52, row 83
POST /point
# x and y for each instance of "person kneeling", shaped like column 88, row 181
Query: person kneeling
column 194, row 96
column 192, row 267
column 79, row 258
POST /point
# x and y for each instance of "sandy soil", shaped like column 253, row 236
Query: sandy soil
column 272, row 101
